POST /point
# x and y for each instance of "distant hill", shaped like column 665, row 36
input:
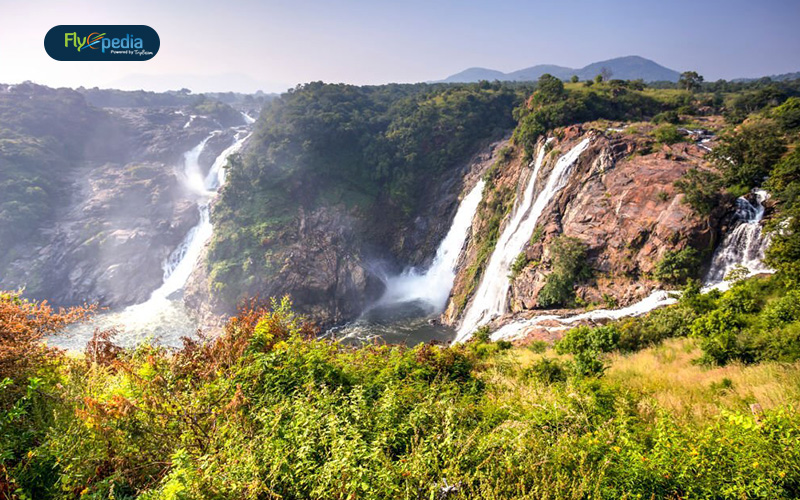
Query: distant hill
column 623, row 68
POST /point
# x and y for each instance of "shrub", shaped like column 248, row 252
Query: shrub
column 701, row 190
column 667, row 134
column 746, row 156
column 670, row 116
column 675, row 267
column 568, row 265
column 587, row 344
column 547, row 371
column 519, row 264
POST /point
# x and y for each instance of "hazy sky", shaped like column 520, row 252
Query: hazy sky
column 269, row 44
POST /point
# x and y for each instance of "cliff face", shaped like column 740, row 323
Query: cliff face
column 332, row 260
column 620, row 202
column 123, row 211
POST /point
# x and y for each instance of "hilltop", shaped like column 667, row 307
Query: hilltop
column 622, row 68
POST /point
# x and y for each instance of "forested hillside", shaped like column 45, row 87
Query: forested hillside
column 365, row 156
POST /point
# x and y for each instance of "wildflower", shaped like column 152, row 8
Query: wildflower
column 782, row 474
column 755, row 465
column 616, row 448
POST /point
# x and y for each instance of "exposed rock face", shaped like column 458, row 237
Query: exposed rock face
column 124, row 217
column 620, row 201
column 332, row 263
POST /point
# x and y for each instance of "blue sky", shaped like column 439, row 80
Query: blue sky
column 247, row 44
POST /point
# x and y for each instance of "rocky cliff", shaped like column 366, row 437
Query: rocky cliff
column 620, row 202
column 122, row 207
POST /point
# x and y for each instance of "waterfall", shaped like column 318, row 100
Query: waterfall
column 432, row 287
column 491, row 297
column 744, row 245
column 163, row 314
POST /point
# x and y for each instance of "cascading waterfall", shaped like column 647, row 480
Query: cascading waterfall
column 163, row 315
column 491, row 297
column 403, row 313
column 432, row 287
column 744, row 246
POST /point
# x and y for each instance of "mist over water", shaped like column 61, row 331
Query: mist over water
column 163, row 317
column 406, row 310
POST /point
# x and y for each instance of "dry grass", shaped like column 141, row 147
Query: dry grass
column 665, row 376
column 668, row 374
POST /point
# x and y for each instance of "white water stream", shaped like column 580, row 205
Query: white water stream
column 743, row 246
column 490, row 300
column 163, row 316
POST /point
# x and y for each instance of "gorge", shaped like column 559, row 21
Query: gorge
column 389, row 252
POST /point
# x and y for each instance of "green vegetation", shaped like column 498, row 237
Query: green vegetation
column 221, row 112
column 702, row 190
column 667, row 134
column 374, row 151
column 553, row 105
column 568, row 266
column 677, row 266
column 747, row 154
column 690, row 80
column 520, row 263
column 265, row 411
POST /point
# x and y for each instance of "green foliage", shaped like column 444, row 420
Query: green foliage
column 547, row 371
column 746, row 156
column 587, row 345
column 788, row 114
column 266, row 411
column 552, row 106
column 667, row 134
column 373, row 152
column 690, row 80
column 520, row 263
column 670, row 116
column 568, row 266
column 701, row 189
column 221, row 112
column 783, row 253
column 677, row 266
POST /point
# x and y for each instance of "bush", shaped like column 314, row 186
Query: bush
column 547, row 371
column 746, row 156
column 667, row 134
column 587, row 344
column 568, row 265
column 788, row 114
column 670, row 116
column 701, row 190
column 519, row 264
column 676, row 267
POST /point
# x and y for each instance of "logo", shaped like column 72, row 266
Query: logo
column 102, row 43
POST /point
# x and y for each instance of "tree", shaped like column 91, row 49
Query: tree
column 690, row 80
column 701, row 190
column 568, row 258
column 748, row 154
column 574, row 79
column 606, row 73
column 549, row 89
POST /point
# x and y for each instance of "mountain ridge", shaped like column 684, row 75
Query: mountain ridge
column 624, row 68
